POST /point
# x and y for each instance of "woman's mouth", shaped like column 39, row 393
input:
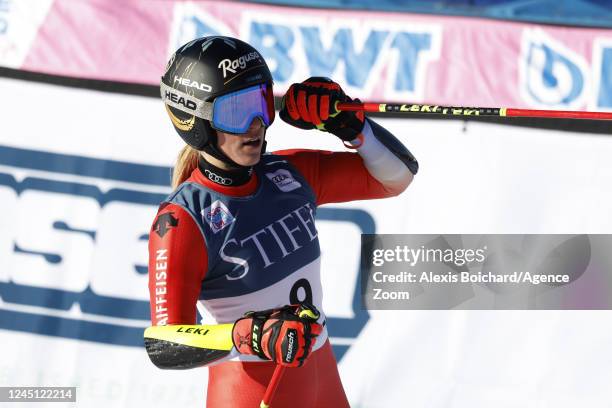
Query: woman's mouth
column 252, row 141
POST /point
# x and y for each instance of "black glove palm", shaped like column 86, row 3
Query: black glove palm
column 312, row 105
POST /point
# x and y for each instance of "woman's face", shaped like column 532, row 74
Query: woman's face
column 245, row 148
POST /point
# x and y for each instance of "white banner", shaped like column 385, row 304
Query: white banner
column 80, row 179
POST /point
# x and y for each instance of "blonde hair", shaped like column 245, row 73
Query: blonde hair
column 186, row 162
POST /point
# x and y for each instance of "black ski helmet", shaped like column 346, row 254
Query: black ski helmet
column 201, row 70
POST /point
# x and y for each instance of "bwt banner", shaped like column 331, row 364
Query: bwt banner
column 375, row 56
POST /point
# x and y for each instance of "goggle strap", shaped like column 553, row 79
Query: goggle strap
column 185, row 102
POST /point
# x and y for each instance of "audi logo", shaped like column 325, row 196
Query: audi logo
column 217, row 178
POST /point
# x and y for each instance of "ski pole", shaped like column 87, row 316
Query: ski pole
column 465, row 111
column 279, row 370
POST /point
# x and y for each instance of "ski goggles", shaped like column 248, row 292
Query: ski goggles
column 232, row 112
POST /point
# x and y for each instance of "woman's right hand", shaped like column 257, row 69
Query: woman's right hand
column 285, row 335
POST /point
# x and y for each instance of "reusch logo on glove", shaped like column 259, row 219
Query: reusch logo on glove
column 289, row 351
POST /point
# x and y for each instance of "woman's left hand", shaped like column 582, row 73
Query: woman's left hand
column 312, row 105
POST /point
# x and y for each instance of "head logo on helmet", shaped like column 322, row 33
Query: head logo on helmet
column 202, row 70
column 194, row 84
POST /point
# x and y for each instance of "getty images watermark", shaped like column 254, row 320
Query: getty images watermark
column 515, row 271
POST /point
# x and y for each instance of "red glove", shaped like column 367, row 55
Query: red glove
column 284, row 335
column 312, row 104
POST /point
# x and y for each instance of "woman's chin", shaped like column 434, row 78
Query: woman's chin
column 248, row 159
column 249, row 155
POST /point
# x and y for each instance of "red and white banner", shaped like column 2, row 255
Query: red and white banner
column 374, row 55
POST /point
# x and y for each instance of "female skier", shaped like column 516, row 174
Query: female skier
column 237, row 237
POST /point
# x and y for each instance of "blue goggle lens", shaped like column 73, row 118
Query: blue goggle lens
column 234, row 112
